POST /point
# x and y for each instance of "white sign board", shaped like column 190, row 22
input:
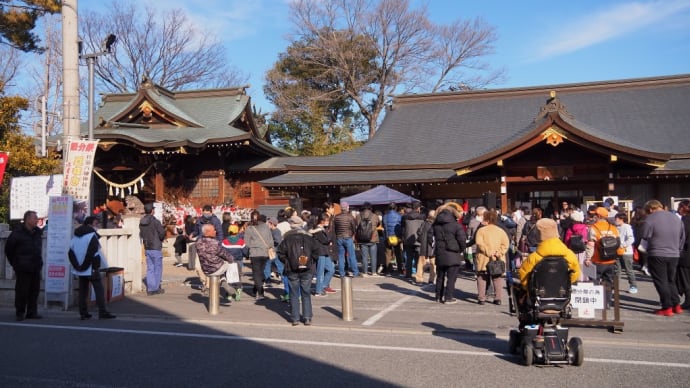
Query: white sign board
column 32, row 193
column 59, row 235
column 586, row 298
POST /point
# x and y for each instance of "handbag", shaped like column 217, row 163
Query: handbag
column 233, row 274
column 393, row 240
column 495, row 267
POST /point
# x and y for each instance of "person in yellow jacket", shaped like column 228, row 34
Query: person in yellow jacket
column 550, row 245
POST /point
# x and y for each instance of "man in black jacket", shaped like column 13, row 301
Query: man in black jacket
column 23, row 251
column 298, row 251
column 411, row 223
column 152, row 235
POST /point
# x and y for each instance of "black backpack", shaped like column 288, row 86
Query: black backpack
column 577, row 243
column 364, row 231
column 607, row 246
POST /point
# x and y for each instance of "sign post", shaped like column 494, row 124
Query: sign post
column 57, row 268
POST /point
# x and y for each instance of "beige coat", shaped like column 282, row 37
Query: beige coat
column 490, row 240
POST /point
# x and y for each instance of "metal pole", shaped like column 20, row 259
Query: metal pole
column 90, row 60
column 346, row 293
column 213, row 295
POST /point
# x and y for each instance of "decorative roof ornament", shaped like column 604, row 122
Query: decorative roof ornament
column 554, row 136
column 553, row 105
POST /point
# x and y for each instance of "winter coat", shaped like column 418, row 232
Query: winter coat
column 323, row 239
column 549, row 247
column 258, row 238
column 212, row 254
column 411, row 222
column 85, row 253
column 367, row 214
column 23, row 249
column 152, row 233
column 490, row 240
column 296, row 243
column 392, row 223
column 575, row 228
column 446, row 227
column 345, row 225
column 425, row 237
column 685, row 248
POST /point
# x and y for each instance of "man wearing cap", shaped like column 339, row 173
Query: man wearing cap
column 152, row 234
column 345, row 226
column 606, row 268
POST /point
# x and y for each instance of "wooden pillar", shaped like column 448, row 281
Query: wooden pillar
column 221, row 187
column 159, row 186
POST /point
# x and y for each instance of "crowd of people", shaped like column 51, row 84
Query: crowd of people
column 410, row 240
column 295, row 248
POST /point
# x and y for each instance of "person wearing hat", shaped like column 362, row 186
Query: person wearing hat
column 152, row 234
column 550, row 245
column 605, row 268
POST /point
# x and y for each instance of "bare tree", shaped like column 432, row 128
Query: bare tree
column 412, row 54
column 47, row 79
column 163, row 47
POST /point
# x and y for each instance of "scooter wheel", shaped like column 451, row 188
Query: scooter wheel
column 576, row 352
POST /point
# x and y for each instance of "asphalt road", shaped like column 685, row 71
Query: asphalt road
column 399, row 337
column 151, row 353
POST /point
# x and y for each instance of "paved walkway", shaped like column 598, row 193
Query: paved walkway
column 388, row 304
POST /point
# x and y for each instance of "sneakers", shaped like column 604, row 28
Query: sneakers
column 632, row 290
column 322, row 293
column 664, row 312
column 157, row 292
column 178, row 265
column 677, row 309
column 329, row 290
column 645, row 270
column 285, row 298
column 451, row 301
column 86, row 317
column 307, row 322
column 238, row 294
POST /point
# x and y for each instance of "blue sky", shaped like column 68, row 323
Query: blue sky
column 539, row 42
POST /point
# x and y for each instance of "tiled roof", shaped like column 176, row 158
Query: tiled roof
column 308, row 178
column 449, row 129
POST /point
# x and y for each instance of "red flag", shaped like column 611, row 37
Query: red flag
column 4, row 158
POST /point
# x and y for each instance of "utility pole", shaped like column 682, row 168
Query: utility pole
column 70, row 75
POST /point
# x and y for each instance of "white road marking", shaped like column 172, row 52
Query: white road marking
column 385, row 311
column 229, row 337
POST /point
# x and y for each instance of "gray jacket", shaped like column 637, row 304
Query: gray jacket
column 258, row 238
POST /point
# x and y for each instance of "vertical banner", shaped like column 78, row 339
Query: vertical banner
column 4, row 157
column 78, row 168
column 60, row 215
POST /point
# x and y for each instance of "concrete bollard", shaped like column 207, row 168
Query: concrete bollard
column 213, row 295
column 346, row 297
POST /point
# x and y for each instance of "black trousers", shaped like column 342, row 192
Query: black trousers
column 445, row 281
column 258, row 265
column 84, row 282
column 663, row 271
column 26, row 290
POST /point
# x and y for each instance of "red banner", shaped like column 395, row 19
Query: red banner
column 4, row 158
